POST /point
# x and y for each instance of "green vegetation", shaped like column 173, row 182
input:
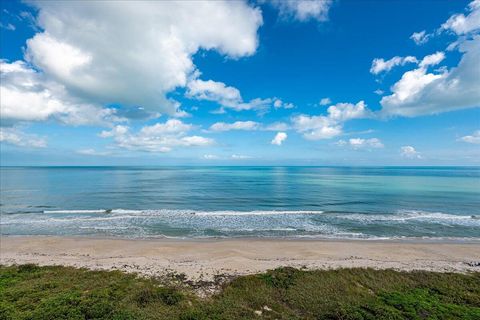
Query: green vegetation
column 31, row 292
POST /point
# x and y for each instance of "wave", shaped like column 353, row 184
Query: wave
column 398, row 216
column 415, row 215
column 76, row 211
column 193, row 223
column 185, row 212
column 256, row 212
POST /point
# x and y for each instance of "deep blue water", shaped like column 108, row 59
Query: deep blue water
column 332, row 202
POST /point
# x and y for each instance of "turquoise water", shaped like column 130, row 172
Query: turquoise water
column 325, row 202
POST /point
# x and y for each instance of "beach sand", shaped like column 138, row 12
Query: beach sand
column 202, row 260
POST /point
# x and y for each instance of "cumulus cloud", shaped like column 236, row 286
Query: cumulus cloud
column 420, row 37
column 303, row 10
column 347, row 111
column 410, row 86
column 380, row 65
column 238, row 125
column 421, row 92
column 409, row 152
column 277, row 103
column 28, row 95
column 160, row 137
column 316, row 127
column 359, row 143
column 432, row 59
column 135, row 53
column 182, row 114
column 329, row 126
column 463, row 24
column 118, row 130
column 230, row 97
column 279, row 138
column 16, row 137
column 214, row 91
column 424, row 92
column 473, row 138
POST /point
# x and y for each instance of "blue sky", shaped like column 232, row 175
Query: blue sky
column 247, row 83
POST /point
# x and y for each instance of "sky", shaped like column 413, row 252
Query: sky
column 240, row 83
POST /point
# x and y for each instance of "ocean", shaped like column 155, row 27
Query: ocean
column 205, row 202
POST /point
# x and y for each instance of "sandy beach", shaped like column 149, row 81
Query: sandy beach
column 203, row 259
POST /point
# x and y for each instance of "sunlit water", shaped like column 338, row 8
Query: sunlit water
column 325, row 202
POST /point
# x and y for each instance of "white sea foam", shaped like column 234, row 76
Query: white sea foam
column 415, row 215
column 230, row 223
column 183, row 212
column 254, row 213
column 75, row 211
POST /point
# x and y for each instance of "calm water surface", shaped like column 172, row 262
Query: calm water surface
column 326, row 202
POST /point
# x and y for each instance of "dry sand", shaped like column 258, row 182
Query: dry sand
column 203, row 259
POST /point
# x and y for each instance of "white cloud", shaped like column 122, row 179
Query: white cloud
column 325, row 101
column 214, row 91
column 420, row 92
column 118, row 130
column 238, row 125
column 92, row 152
column 303, row 10
column 420, row 37
column 461, row 24
column 316, row 127
column 279, row 138
column 210, row 157
column 329, row 126
column 277, row 103
column 248, row 126
column 380, row 65
column 172, row 126
column 220, row 110
column 134, row 53
column 255, row 104
column 232, row 157
column 240, row 157
column 182, row 114
column 409, row 152
column 432, row 59
column 413, row 82
column 19, row 138
column 359, row 143
column 27, row 95
column 347, row 111
column 473, row 138
column 160, row 137
column 229, row 97
column 276, row 126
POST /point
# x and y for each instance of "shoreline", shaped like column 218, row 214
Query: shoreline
column 204, row 259
column 424, row 240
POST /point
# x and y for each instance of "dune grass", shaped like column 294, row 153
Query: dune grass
column 31, row 292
